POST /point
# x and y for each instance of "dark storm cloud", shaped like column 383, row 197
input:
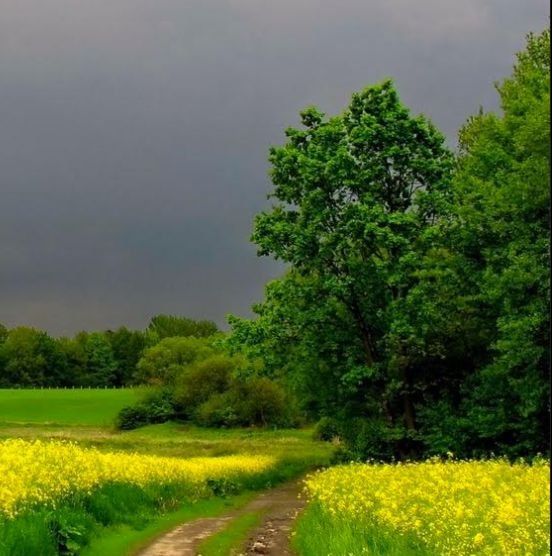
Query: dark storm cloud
column 134, row 133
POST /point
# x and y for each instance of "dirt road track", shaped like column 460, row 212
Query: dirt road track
column 279, row 507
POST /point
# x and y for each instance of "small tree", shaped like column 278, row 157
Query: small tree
column 100, row 363
column 162, row 363
column 167, row 326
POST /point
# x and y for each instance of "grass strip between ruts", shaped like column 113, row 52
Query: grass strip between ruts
column 231, row 540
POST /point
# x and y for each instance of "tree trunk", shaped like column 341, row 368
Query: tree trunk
column 408, row 406
column 364, row 333
column 409, row 415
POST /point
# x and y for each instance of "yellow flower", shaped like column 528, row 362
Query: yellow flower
column 452, row 507
column 42, row 473
column 478, row 539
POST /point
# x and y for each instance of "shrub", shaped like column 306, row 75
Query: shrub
column 253, row 402
column 259, row 401
column 132, row 417
column 217, row 411
column 155, row 408
column 162, row 363
column 200, row 381
column 326, row 429
column 160, row 406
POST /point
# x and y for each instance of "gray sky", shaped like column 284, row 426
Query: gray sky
column 134, row 134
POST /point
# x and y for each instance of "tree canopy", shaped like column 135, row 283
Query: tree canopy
column 418, row 285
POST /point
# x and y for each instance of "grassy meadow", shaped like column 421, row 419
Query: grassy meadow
column 86, row 406
column 78, row 484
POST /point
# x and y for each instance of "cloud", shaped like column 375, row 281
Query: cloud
column 135, row 133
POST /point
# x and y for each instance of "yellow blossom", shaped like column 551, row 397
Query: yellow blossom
column 457, row 508
column 42, row 473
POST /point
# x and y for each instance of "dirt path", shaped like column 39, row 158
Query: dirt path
column 273, row 535
column 279, row 507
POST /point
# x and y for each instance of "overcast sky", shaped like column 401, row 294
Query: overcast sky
column 134, row 134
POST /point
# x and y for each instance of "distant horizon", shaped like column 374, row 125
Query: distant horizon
column 115, row 327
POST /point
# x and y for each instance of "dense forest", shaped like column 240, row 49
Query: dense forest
column 413, row 318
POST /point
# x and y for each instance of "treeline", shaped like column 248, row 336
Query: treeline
column 415, row 313
column 31, row 358
column 189, row 372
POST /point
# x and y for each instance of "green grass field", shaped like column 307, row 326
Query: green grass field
column 86, row 417
column 65, row 407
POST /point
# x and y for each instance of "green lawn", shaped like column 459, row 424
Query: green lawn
column 65, row 407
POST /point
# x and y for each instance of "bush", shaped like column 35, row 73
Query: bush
column 132, row 417
column 156, row 408
column 217, row 411
column 206, row 392
column 200, row 381
column 259, row 401
column 253, row 402
column 326, row 429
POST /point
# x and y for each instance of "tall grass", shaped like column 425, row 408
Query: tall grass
column 316, row 534
column 69, row 527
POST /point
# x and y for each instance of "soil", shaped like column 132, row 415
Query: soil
column 279, row 507
column 273, row 535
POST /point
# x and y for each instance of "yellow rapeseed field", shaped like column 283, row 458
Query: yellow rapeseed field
column 41, row 472
column 452, row 507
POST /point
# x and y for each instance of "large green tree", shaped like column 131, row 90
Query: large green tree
column 502, row 199
column 353, row 197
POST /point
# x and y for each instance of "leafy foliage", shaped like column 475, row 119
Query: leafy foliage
column 252, row 402
column 29, row 357
column 355, row 193
column 502, row 210
column 200, row 381
column 157, row 407
column 415, row 308
column 162, row 363
column 167, row 326
column 127, row 347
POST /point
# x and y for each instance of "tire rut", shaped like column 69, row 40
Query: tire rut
column 279, row 507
